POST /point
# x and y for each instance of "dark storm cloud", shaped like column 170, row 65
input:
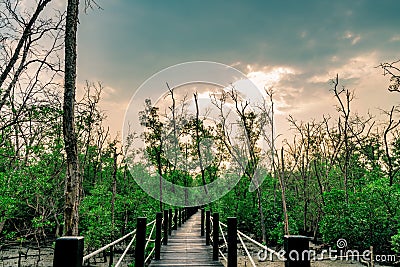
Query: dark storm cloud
column 128, row 41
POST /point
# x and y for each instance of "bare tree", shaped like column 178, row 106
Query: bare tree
column 394, row 71
column 344, row 109
column 30, row 42
column 392, row 124
column 252, row 124
column 275, row 160
column 23, row 46
column 29, row 57
column 198, row 127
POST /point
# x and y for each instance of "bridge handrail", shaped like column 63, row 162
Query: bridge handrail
column 94, row 253
column 125, row 251
column 259, row 244
column 69, row 249
column 247, row 251
column 223, row 236
column 130, row 244
column 148, row 257
column 254, row 241
column 240, row 235
column 151, row 232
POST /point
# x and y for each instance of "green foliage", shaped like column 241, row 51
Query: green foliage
column 396, row 242
column 96, row 223
column 366, row 219
column 363, row 208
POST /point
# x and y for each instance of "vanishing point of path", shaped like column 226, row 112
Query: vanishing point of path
column 186, row 247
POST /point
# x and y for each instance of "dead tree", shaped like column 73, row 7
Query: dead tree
column 392, row 171
column 344, row 109
column 73, row 182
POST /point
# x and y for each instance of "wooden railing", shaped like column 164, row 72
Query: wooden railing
column 69, row 249
column 213, row 229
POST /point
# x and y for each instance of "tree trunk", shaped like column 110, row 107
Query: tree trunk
column 73, row 178
column 261, row 212
column 197, row 137
column 114, row 193
column 282, row 182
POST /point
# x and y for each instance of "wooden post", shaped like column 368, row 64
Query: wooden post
column 176, row 220
column 216, row 236
column 294, row 246
column 232, row 242
column 170, row 222
column 68, row 251
column 158, row 236
column 202, row 222
column 165, row 240
column 140, row 242
column 208, row 226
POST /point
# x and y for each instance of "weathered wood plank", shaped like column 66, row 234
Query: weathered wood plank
column 186, row 247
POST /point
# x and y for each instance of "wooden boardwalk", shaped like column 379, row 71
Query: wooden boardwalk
column 186, row 247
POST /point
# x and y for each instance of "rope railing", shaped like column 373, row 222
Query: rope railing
column 295, row 245
column 141, row 221
column 214, row 228
column 247, row 251
column 223, row 256
column 147, row 243
column 125, row 251
column 223, row 236
column 94, row 253
column 85, row 258
column 151, row 232
column 258, row 244
column 150, row 223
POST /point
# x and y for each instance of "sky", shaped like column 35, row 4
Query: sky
column 294, row 46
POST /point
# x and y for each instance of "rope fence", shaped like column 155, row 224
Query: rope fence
column 231, row 237
column 69, row 249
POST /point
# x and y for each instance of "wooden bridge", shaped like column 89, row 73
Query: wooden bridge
column 186, row 247
column 187, row 238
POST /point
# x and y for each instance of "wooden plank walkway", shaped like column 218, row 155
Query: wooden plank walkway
column 186, row 247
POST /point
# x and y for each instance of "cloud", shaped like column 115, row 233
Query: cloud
column 353, row 38
column 355, row 68
column 268, row 76
column 273, row 77
column 395, row 38
column 128, row 42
